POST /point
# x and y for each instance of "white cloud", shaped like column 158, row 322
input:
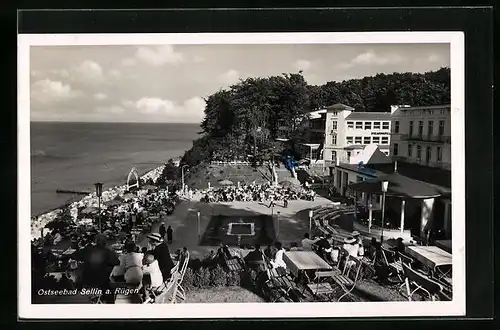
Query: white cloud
column 190, row 110
column 48, row 91
column 129, row 61
column 371, row 58
column 114, row 109
column 100, row 96
column 302, row 65
column 229, row 77
column 88, row 72
column 158, row 56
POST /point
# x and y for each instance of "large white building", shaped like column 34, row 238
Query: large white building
column 347, row 133
column 422, row 135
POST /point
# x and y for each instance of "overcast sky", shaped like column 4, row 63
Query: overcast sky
column 168, row 83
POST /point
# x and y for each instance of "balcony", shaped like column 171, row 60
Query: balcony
column 426, row 138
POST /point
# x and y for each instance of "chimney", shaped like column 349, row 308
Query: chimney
column 395, row 166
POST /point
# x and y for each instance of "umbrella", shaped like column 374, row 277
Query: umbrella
column 113, row 202
column 285, row 183
column 90, row 209
column 226, row 183
column 128, row 196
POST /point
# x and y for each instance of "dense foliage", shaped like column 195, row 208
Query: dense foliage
column 243, row 119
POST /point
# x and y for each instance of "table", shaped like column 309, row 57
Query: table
column 433, row 257
column 444, row 244
column 298, row 261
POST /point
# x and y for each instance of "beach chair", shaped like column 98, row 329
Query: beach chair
column 421, row 282
column 394, row 262
column 352, row 268
column 278, row 284
column 182, row 268
column 320, row 287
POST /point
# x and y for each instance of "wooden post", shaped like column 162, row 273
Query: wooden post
column 403, row 202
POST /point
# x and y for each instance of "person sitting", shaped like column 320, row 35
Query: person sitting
column 356, row 235
column 131, row 263
column 57, row 238
column 400, row 246
column 254, row 259
column 294, row 246
column 152, row 268
column 307, row 242
column 270, row 251
column 278, row 261
column 351, row 246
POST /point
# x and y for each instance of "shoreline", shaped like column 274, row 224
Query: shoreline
column 39, row 221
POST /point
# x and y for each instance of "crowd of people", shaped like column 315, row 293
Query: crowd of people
column 256, row 193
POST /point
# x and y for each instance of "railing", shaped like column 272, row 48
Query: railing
column 426, row 138
column 231, row 163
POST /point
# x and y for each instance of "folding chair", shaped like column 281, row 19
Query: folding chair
column 352, row 266
column 166, row 293
column 422, row 283
column 319, row 288
column 277, row 282
column 393, row 262
column 181, row 293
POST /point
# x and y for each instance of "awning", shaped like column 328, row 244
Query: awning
column 399, row 186
column 312, row 145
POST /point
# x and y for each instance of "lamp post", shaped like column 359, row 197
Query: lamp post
column 385, row 185
column 370, row 215
column 182, row 177
column 310, row 223
column 98, row 192
column 198, row 215
column 278, row 224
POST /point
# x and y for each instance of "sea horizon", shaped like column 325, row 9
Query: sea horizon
column 75, row 155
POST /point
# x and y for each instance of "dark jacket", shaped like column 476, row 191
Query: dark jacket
column 169, row 233
column 162, row 254
column 98, row 262
column 162, row 231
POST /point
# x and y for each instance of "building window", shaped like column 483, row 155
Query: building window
column 349, row 139
column 348, row 155
column 396, row 127
column 385, row 140
column 359, row 125
column 357, row 140
column 410, row 150
column 368, row 125
column 350, row 124
column 441, row 128
column 334, row 125
column 430, row 128
column 376, row 125
column 334, row 113
column 334, row 155
column 420, row 127
column 428, row 154
column 334, row 139
column 419, row 152
column 439, row 154
column 395, row 150
column 376, row 139
column 410, row 130
column 385, row 125
column 367, row 140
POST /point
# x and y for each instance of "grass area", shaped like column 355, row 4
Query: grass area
column 199, row 176
column 222, row 295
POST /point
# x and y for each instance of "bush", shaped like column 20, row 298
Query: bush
column 233, row 279
column 203, row 278
column 189, row 279
column 218, row 277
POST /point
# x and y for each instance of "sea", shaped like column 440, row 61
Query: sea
column 73, row 156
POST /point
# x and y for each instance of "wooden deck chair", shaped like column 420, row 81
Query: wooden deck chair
column 344, row 278
column 422, row 283
column 166, row 293
column 181, row 293
column 319, row 287
column 277, row 282
column 394, row 262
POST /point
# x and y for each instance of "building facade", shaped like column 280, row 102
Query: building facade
column 422, row 135
column 347, row 132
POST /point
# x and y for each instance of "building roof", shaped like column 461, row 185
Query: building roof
column 399, row 186
column 369, row 116
column 426, row 107
column 438, row 178
column 339, row 107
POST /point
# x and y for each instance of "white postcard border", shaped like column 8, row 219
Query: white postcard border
column 243, row 310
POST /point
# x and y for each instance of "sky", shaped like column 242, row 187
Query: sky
column 168, row 83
